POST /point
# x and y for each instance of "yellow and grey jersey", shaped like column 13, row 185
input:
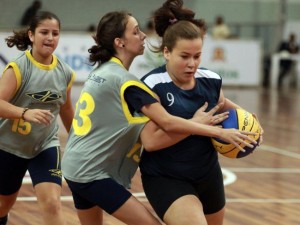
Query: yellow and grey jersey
column 39, row 86
column 104, row 139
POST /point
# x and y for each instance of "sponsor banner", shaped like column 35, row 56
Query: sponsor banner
column 237, row 61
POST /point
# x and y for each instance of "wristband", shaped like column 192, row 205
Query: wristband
column 23, row 113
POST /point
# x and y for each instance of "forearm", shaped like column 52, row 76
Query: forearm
column 10, row 111
column 154, row 138
column 170, row 123
column 228, row 104
column 66, row 115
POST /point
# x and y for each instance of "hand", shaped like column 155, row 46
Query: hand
column 209, row 118
column 238, row 138
column 261, row 129
column 39, row 116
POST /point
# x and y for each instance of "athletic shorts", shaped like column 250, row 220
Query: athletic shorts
column 163, row 191
column 105, row 193
column 45, row 167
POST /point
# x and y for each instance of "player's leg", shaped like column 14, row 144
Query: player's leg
column 185, row 210
column 174, row 201
column 48, row 196
column 91, row 216
column 46, row 176
column 12, row 171
column 212, row 196
column 113, row 198
column 215, row 218
column 134, row 212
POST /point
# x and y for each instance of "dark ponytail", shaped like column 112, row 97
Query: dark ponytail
column 111, row 26
column 173, row 21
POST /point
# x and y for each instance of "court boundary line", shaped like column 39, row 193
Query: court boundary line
column 229, row 178
column 141, row 196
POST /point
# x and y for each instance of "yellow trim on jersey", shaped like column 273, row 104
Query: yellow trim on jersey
column 17, row 72
column 71, row 81
column 40, row 65
column 129, row 117
column 116, row 60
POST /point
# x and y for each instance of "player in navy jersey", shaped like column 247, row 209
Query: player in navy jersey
column 35, row 89
column 103, row 149
column 181, row 174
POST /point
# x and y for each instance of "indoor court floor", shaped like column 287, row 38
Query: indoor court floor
column 261, row 189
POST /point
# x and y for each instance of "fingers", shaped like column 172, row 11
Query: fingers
column 39, row 116
column 219, row 118
column 215, row 109
column 203, row 108
column 247, row 136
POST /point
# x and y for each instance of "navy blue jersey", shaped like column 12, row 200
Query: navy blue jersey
column 192, row 158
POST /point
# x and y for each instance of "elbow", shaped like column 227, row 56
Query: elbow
column 149, row 144
column 149, row 147
column 168, row 126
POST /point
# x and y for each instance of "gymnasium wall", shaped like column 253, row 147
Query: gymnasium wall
column 248, row 19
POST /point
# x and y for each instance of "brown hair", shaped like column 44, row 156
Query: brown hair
column 20, row 39
column 173, row 21
column 111, row 26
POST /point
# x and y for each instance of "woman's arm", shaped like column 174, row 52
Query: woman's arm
column 173, row 124
column 228, row 104
column 8, row 86
column 67, row 112
column 151, row 133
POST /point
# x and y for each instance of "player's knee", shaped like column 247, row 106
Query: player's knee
column 51, row 205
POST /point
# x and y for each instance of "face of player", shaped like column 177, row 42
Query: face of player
column 45, row 40
column 183, row 61
column 134, row 38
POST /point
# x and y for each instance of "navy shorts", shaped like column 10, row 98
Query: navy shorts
column 105, row 193
column 163, row 191
column 45, row 167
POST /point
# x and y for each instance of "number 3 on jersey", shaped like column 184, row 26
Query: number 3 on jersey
column 82, row 123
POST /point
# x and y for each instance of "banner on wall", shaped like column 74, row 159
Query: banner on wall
column 72, row 48
column 238, row 62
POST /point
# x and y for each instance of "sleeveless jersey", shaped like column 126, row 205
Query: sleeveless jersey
column 104, row 139
column 38, row 87
column 192, row 158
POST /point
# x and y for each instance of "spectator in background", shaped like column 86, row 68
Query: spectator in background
column 220, row 29
column 30, row 12
column 286, row 64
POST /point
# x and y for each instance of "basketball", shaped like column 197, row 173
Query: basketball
column 244, row 121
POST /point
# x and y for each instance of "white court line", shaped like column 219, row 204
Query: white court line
column 263, row 170
column 141, row 196
column 263, row 200
column 279, row 151
column 229, row 178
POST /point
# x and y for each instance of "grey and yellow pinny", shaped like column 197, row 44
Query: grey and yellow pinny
column 39, row 86
column 104, row 139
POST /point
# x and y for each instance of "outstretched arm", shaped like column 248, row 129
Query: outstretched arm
column 151, row 133
column 173, row 124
